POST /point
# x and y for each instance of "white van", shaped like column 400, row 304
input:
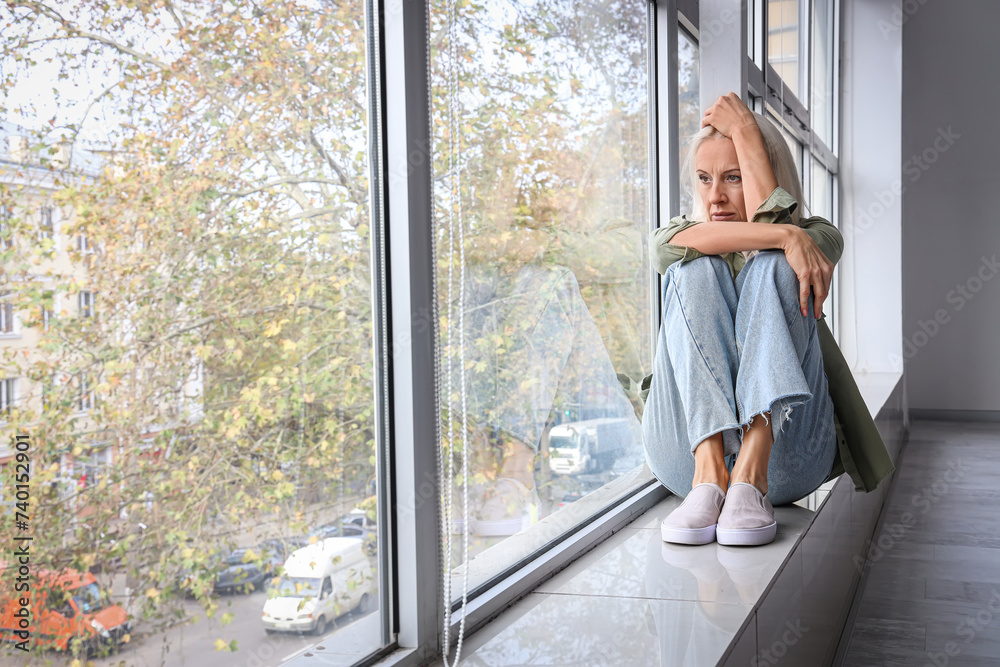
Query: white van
column 320, row 582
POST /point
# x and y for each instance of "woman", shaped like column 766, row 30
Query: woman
column 739, row 416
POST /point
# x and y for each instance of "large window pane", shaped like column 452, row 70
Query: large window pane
column 688, row 101
column 783, row 22
column 822, row 70
column 206, row 444
column 541, row 191
column 820, row 202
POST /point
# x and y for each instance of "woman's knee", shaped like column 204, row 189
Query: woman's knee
column 770, row 268
column 706, row 272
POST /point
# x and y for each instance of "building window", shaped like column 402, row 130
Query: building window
column 8, row 396
column 85, row 396
column 86, row 304
column 45, row 227
column 92, row 469
column 7, row 313
column 82, row 245
column 47, row 311
column 6, row 230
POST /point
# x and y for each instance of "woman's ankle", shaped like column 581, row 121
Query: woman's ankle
column 711, row 477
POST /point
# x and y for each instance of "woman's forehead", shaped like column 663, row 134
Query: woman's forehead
column 717, row 154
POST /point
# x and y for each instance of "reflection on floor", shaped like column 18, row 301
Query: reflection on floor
column 933, row 592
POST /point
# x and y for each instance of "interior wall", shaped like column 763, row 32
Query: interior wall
column 951, row 204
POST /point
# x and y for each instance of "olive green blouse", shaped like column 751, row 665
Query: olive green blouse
column 860, row 452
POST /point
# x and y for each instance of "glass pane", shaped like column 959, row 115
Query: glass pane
column 688, row 101
column 820, row 201
column 208, row 428
column 793, row 144
column 542, row 193
column 783, row 41
column 822, row 71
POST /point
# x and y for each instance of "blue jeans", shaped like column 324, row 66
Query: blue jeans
column 738, row 349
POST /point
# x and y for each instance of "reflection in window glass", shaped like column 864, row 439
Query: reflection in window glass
column 822, row 71
column 541, row 163
column 783, row 41
column 220, row 177
column 688, row 100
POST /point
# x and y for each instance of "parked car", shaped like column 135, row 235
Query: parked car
column 353, row 524
column 244, row 569
column 320, row 582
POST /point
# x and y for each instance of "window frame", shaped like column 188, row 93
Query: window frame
column 405, row 207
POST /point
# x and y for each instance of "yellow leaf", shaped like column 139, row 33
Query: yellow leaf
column 221, row 645
column 289, row 344
column 152, row 593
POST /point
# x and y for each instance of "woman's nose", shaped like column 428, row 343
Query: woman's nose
column 716, row 195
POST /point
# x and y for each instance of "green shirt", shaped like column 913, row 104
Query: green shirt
column 860, row 451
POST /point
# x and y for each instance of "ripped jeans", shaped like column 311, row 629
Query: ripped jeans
column 738, row 349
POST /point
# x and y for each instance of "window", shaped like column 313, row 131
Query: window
column 6, row 228
column 7, row 322
column 45, row 226
column 92, row 469
column 543, row 194
column 47, row 309
column 85, row 393
column 8, row 396
column 783, row 20
column 85, row 304
column 245, row 270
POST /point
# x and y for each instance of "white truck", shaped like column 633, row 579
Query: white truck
column 588, row 446
column 320, row 582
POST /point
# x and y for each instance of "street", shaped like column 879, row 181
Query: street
column 192, row 644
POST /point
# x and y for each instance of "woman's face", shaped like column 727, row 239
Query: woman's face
column 719, row 182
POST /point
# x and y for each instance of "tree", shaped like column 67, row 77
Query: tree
column 230, row 351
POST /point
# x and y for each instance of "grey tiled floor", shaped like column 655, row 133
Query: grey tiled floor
column 933, row 593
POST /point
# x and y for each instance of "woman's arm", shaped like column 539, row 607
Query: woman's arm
column 717, row 238
column 812, row 267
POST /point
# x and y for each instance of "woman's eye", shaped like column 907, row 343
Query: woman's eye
column 704, row 178
column 733, row 178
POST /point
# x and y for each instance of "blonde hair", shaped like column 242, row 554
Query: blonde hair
column 778, row 155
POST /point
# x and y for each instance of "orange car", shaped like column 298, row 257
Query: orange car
column 57, row 608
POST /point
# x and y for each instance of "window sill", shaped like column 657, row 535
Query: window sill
column 637, row 600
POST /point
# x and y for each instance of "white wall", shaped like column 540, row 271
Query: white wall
column 951, row 204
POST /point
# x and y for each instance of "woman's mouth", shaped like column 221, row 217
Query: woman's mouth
column 723, row 216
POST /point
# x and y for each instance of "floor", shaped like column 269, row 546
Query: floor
column 933, row 592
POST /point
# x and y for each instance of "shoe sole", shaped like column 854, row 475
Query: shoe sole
column 704, row 535
column 747, row 537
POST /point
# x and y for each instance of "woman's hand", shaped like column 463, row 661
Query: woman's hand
column 811, row 266
column 729, row 115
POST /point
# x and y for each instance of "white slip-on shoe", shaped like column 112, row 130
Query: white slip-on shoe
column 693, row 521
column 747, row 518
